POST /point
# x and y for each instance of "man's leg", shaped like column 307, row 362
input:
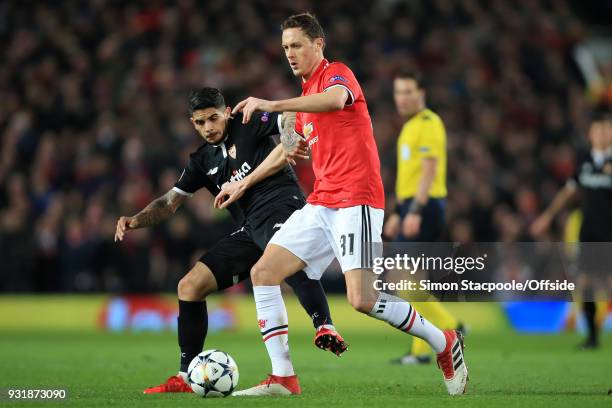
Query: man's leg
column 276, row 264
column 437, row 314
column 356, row 239
column 193, row 288
column 309, row 292
column 391, row 309
column 592, row 340
column 312, row 297
column 400, row 314
column 193, row 314
column 224, row 265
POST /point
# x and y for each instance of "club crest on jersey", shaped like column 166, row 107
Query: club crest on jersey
column 262, row 323
column 337, row 78
column 307, row 129
column 232, row 151
column 265, row 116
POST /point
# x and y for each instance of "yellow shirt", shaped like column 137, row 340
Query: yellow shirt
column 423, row 136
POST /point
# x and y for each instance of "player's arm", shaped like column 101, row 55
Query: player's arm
column 412, row 222
column 429, row 174
column 563, row 196
column 272, row 164
column 157, row 211
column 332, row 99
column 232, row 191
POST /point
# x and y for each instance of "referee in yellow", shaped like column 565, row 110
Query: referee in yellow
column 420, row 190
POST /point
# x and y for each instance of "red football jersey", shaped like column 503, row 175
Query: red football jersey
column 344, row 154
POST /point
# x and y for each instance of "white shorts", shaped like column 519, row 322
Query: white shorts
column 317, row 234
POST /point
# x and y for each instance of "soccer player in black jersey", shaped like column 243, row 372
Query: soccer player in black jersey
column 269, row 194
column 593, row 181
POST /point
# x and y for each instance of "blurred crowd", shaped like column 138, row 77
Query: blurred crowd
column 94, row 121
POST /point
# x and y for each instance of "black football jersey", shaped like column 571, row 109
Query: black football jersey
column 594, row 179
column 244, row 148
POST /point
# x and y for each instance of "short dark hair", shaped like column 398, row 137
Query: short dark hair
column 416, row 76
column 205, row 98
column 307, row 22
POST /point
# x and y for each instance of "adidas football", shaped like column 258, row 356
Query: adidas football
column 213, row 373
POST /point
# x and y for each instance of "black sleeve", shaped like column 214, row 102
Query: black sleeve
column 192, row 179
column 266, row 124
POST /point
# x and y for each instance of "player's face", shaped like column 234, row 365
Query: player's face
column 211, row 123
column 302, row 52
column 409, row 98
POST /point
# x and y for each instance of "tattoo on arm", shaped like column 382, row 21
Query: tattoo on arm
column 288, row 137
column 158, row 210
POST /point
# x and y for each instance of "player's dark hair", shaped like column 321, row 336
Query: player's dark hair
column 205, row 98
column 307, row 22
column 416, row 76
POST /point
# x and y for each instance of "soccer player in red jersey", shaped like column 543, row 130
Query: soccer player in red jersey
column 344, row 214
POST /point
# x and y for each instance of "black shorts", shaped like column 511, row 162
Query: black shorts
column 231, row 259
column 595, row 262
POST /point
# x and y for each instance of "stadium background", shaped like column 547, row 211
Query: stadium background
column 94, row 124
column 94, row 120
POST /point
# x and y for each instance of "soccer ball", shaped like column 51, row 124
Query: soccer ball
column 213, row 373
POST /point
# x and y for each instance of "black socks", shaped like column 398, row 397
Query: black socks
column 192, row 330
column 312, row 297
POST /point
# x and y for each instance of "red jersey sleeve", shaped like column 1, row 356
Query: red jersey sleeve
column 338, row 74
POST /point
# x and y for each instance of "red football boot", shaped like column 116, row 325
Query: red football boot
column 273, row 385
column 172, row 384
column 452, row 363
column 327, row 338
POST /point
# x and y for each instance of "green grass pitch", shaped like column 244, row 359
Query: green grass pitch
column 506, row 369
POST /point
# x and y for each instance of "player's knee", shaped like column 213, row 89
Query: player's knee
column 190, row 289
column 262, row 276
column 187, row 289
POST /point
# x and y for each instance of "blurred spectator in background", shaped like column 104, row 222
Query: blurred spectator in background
column 92, row 120
column 592, row 181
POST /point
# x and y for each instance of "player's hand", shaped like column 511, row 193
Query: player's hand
column 251, row 105
column 290, row 161
column 298, row 151
column 392, row 227
column 123, row 226
column 411, row 225
column 230, row 192
column 540, row 225
column 294, row 146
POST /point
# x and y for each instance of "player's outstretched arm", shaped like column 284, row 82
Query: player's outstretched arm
column 157, row 211
column 331, row 100
column 231, row 192
column 541, row 224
